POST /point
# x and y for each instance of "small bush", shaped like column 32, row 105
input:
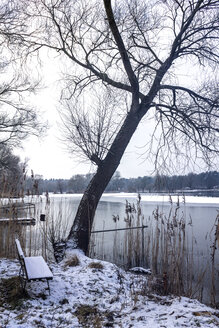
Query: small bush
column 96, row 265
column 72, row 261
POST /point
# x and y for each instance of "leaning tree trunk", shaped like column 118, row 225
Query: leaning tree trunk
column 79, row 235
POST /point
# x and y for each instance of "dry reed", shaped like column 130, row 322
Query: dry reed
column 168, row 247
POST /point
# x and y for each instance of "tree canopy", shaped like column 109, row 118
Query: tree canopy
column 18, row 118
column 130, row 51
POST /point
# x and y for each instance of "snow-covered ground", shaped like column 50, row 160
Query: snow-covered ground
column 106, row 296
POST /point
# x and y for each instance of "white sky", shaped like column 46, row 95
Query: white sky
column 48, row 157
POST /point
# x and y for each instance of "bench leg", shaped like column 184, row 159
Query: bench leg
column 23, row 283
column 22, row 280
column 48, row 285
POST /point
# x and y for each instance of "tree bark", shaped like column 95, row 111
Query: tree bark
column 79, row 235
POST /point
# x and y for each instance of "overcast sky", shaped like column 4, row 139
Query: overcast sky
column 48, row 156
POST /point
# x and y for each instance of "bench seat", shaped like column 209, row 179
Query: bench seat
column 36, row 268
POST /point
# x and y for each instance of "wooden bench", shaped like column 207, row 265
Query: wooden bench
column 32, row 268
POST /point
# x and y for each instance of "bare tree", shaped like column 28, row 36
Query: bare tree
column 11, row 173
column 132, row 47
column 90, row 127
column 18, row 118
column 8, row 161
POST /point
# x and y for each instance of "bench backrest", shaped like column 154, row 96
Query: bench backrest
column 20, row 256
column 19, row 250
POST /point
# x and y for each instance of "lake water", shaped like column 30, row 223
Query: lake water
column 145, row 247
column 198, row 212
column 184, row 226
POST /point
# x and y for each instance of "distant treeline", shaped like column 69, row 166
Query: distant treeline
column 158, row 183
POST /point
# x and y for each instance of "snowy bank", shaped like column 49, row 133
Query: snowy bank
column 162, row 199
column 97, row 294
column 145, row 197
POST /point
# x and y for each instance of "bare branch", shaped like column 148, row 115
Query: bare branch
column 17, row 118
column 92, row 128
column 126, row 62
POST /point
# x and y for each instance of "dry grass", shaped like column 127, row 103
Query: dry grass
column 12, row 208
column 96, row 265
column 168, row 247
column 13, row 228
column 168, row 252
column 12, row 293
column 36, row 240
column 89, row 316
column 72, row 261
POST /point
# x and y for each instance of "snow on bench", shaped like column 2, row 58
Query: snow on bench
column 37, row 268
column 33, row 267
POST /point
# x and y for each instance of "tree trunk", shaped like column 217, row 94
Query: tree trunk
column 79, row 235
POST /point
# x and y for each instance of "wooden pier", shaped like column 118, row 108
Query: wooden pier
column 24, row 221
column 18, row 213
